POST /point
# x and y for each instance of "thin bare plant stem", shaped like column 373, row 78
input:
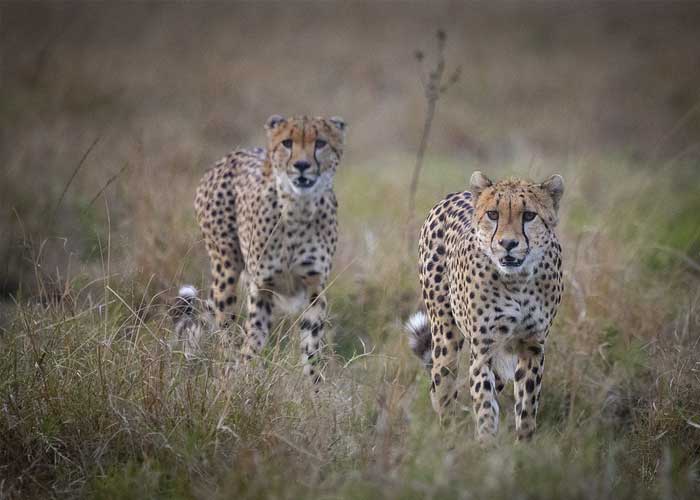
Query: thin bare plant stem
column 75, row 172
column 433, row 88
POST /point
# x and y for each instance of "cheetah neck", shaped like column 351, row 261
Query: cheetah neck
column 298, row 209
column 295, row 209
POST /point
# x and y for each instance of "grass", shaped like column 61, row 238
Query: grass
column 97, row 400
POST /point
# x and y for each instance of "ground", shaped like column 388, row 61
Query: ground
column 95, row 240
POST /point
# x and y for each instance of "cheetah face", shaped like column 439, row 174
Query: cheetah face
column 304, row 152
column 514, row 220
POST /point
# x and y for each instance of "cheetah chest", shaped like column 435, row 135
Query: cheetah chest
column 294, row 252
column 513, row 313
column 502, row 311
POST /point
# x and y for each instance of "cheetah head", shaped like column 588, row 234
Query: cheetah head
column 304, row 152
column 514, row 219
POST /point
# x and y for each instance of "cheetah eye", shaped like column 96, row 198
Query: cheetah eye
column 492, row 214
column 287, row 143
column 528, row 216
column 320, row 143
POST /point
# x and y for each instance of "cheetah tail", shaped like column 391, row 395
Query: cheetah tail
column 183, row 306
column 419, row 338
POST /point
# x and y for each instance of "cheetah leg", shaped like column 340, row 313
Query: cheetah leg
column 447, row 342
column 482, row 383
column 527, row 385
column 259, row 320
column 499, row 383
column 311, row 329
column 226, row 267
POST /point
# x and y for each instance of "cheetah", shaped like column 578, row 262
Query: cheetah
column 490, row 271
column 272, row 214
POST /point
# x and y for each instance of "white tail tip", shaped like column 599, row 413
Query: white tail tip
column 187, row 292
column 416, row 324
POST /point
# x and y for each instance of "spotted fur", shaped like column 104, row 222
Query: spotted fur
column 273, row 214
column 490, row 271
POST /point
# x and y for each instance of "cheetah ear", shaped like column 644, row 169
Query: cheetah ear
column 338, row 122
column 273, row 121
column 478, row 183
column 554, row 186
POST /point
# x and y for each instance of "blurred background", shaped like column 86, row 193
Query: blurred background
column 111, row 112
column 152, row 94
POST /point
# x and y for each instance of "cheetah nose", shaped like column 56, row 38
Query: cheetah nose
column 301, row 166
column 508, row 244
